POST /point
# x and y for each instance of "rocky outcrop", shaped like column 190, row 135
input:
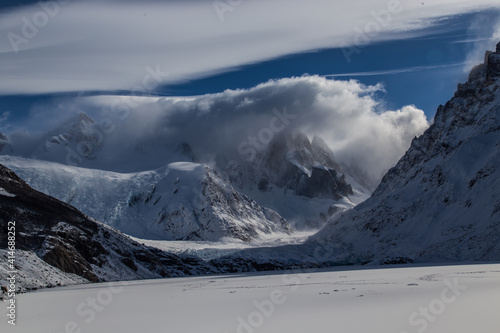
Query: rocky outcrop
column 308, row 168
column 493, row 64
column 441, row 202
column 80, row 131
column 185, row 150
column 70, row 242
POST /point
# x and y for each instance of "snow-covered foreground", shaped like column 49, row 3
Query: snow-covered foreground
column 408, row 299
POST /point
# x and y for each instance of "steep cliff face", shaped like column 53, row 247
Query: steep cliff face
column 442, row 200
column 308, row 168
column 189, row 201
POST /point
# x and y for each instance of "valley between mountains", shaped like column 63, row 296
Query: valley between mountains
column 193, row 216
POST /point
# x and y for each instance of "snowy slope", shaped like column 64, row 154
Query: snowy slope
column 297, row 177
column 56, row 244
column 290, row 165
column 442, row 200
column 182, row 201
column 34, row 273
column 442, row 299
column 78, row 138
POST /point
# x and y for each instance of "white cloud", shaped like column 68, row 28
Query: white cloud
column 4, row 117
column 345, row 113
column 96, row 45
column 4, row 126
column 482, row 27
column 394, row 71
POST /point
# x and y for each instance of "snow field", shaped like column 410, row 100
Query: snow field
column 403, row 299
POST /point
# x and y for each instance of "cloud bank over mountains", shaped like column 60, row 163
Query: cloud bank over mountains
column 346, row 114
column 75, row 45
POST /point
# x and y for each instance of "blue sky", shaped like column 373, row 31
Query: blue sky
column 90, row 47
column 423, row 70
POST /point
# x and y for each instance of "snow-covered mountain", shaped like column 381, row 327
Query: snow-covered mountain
column 442, row 200
column 77, row 139
column 281, row 175
column 56, row 244
column 297, row 177
column 308, row 168
column 182, row 201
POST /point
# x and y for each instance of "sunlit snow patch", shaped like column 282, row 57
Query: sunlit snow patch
column 5, row 193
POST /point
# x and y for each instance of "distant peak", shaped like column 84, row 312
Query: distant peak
column 319, row 143
column 487, row 71
column 493, row 64
column 83, row 117
column 185, row 149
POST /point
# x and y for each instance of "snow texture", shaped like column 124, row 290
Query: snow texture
column 55, row 244
column 181, row 201
column 459, row 299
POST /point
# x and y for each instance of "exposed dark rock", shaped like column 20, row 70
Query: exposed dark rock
column 185, row 149
column 70, row 241
column 436, row 204
column 291, row 161
column 493, row 66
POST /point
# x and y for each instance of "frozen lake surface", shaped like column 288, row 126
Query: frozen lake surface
column 451, row 298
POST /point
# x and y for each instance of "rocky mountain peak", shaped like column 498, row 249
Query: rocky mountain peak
column 442, row 199
column 488, row 70
column 493, row 65
column 64, row 246
column 79, row 138
column 293, row 162
column 186, row 151
column 465, row 112
column 323, row 154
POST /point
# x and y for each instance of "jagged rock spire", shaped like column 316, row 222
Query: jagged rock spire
column 493, row 65
column 442, row 200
